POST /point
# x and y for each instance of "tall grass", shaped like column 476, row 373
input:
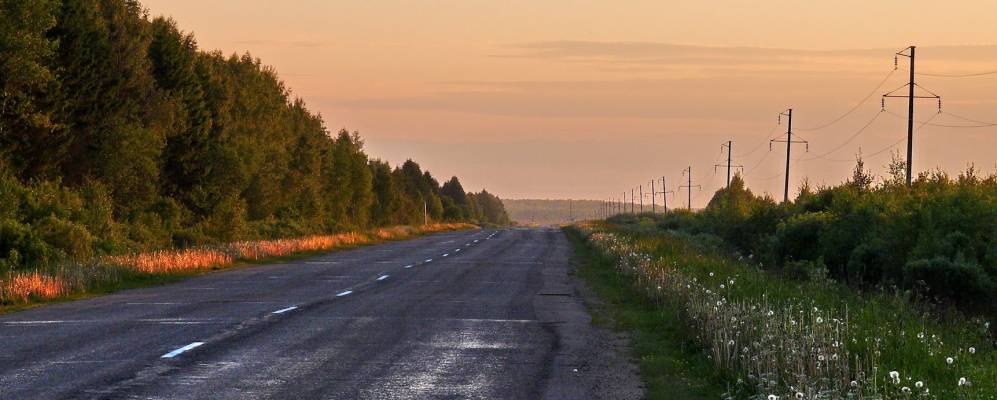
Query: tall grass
column 40, row 284
column 779, row 339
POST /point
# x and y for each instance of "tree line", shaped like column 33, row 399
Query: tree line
column 118, row 133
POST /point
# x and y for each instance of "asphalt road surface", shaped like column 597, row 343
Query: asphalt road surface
column 478, row 314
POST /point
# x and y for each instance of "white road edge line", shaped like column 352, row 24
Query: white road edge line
column 177, row 352
column 382, row 277
column 446, row 254
column 457, row 250
column 346, row 293
column 284, row 310
column 408, row 266
column 428, row 260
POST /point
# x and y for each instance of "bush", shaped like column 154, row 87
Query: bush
column 21, row 247
column 806, row 270
column 961, row 281
column 800, row 235
column 72, row 239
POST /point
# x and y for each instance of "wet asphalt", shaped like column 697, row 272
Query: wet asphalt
column 461, row 315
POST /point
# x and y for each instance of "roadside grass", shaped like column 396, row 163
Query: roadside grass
column 671, row 366
column 797, row 339
column 74, row 281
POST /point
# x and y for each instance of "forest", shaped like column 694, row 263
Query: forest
column 119, row 135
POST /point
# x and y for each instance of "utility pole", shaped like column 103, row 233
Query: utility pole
column 641, row 193
column 729, row 145
column 425, row 213
column 652, row 196
column 910, row 105
column 789, row 145
column 688, row 172
column 664, row 194
column 570, row 217
column 631, row 201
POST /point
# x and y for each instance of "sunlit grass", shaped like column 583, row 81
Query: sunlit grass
column 24, row 287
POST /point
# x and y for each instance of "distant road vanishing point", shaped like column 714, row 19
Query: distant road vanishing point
column 479, row 314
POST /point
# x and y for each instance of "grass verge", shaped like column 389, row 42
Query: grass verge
column 671, row 366
column 68, row 282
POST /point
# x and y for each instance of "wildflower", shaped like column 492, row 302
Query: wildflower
column 949, row 360
column 905, row 389
column 711, row 274
column 895, row 376
column 972, row 350
column 854, row 384
column 799, row 395
column 963, row 381
column 820, row 320
column 918, row 384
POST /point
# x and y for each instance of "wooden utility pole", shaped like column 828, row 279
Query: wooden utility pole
column 910, row 107
column 789, row 145
column 688, row 172
column 729, row 145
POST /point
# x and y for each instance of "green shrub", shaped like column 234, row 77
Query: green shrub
column 799, row 236
column 72, row 239
column 21, row 247
column 964, row 282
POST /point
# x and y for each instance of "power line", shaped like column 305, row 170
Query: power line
column 856, row 107
column 762, row 143
column 855, row 135
column 968, row 75
column 987, row 125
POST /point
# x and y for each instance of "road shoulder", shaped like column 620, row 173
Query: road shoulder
column 671, row 366
column 589, row 361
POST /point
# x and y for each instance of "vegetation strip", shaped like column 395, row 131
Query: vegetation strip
column 672, row 366
column 74, row 280
column 786, row 339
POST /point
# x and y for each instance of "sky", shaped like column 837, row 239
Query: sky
column 589, row 99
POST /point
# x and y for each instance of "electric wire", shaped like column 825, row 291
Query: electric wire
column 968, row 75
column 856, row 107
column 846, row 142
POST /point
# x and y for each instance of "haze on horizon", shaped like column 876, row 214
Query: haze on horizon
column 584, row 99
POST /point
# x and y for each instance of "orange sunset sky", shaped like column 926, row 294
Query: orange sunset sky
column 586, row 99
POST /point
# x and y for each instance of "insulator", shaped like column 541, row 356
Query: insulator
column 939, row 104
column 780, row 119
column 896, row 63
column 882, row 103
column 808, row 147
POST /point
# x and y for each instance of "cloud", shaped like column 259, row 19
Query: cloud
column 284, row 43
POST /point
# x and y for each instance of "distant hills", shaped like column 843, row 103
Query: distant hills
column 548, row 212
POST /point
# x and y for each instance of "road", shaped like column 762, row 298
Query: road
column 483, row 314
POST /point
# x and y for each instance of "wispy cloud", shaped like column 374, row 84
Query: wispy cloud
column 284, row 43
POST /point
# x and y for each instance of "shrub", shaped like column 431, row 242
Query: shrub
column 964, row 282
column 21, row 247
column 70, row 238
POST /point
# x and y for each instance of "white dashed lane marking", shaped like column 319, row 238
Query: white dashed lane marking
column 177, row 352
column 346, row 293
column 284, row 310
column 382, row 277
